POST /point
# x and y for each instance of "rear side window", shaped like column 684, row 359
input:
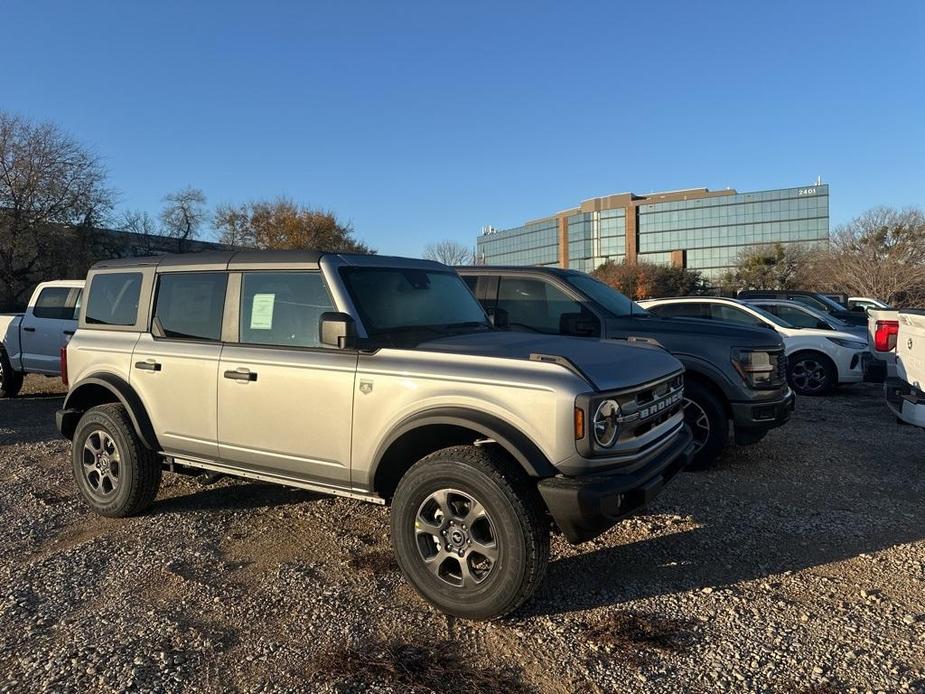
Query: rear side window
column 189, row 305
column 283, row 308
column 113, row 299
column 58, row 303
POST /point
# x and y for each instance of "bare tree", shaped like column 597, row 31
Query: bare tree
column 771, row 266
column 285, row 224
column 183, row 215
column 449, row 253
column 48, row 182
column 880, row 254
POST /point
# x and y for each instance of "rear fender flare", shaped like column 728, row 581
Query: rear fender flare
column 81, row 398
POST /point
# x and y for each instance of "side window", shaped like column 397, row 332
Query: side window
column 733, row 315
column 282, row 308
column 688, row 309
column 57, row 303
column 796, row 317
column 809, row 301
column 472, row 282
column 113, row 299
column 189, row 305
column 538, row 305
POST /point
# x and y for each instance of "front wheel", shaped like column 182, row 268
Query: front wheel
column 812, row 373
column 469, row 532
column 706, row 416
column 10, row 381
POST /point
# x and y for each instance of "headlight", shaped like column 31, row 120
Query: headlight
column 759, row 369
column 605, row 424
column 850, row 344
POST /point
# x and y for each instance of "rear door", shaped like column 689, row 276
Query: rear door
column 285, row 403
column 175, row 364
column 46, row 327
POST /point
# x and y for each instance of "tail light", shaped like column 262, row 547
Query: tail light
column 885, row 335
column 63, row 357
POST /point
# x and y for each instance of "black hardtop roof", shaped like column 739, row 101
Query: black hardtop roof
column 221, row 260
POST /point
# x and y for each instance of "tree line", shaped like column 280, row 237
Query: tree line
column 58, row 214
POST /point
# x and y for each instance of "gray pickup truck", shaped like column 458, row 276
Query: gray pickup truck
column 733, row 373
column 374, row 378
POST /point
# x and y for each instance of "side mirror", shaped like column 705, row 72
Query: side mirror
column 337, row 330
column 498, row 318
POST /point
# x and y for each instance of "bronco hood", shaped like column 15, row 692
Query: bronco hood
column 607, row 364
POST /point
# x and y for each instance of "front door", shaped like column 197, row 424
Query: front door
column 46, row 327
column 285, row 404
column 175, row 365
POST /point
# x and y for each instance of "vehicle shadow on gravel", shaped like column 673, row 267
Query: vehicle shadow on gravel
column 233, row 497
column 29, row 418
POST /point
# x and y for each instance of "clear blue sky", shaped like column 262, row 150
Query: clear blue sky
column 424, row 121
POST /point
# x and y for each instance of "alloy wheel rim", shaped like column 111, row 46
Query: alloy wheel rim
column 809, row 375
column 696, row 417
column 456, row 538
column 101, row 463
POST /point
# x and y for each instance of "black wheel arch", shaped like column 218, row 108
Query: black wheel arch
column 425, row 432
column 101, row 388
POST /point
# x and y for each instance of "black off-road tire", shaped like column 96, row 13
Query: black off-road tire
column 138, row 468
column 10, row 381
column 515, row 515
column 709, row 412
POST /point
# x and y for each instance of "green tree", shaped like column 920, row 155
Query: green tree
column 774, row 266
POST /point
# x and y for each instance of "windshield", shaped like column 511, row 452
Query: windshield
column 402, row 299
column 606, row 296
column 830, row 303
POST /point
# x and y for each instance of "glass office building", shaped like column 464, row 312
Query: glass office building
column 700, row 229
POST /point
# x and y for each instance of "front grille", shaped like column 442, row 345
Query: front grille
column 654, row 404
column 781, row 366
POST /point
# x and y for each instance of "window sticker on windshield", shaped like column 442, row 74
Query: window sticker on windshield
column 262, row 312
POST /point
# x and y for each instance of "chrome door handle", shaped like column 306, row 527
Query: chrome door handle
column 147, row 365
column 246, row 376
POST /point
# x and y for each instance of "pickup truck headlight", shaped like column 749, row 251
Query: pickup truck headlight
column 605, row 425
column 850, row 344
column 758, row 368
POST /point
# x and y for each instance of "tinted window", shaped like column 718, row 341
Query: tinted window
column 190, row 305
column 59, row 303
column 113, row 299
column 796, row 317
column 471, row 282
column 810, row 301
column 733, row 315
column 688, row 309
column 537, row 305
column 615, row 302
column 282, row 308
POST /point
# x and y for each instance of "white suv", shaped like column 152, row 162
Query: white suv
column 817, row 360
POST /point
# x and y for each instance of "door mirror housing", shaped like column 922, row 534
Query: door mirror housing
column 337, row 330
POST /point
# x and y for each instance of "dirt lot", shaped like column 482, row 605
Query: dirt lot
column 796, row 565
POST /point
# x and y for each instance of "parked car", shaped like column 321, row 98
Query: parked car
column 815, row 300
column 863, row 303
column 31, row 342
column 722, row 381
column 882, row 329
column 375, row 378
column 802, row 316
column 817, row 360
column 905, row 394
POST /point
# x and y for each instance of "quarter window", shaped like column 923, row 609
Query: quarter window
column 282, row 308
column 113, row 299
column 189, row 305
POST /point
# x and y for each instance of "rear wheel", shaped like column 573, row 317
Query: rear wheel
column 469, row 532
column 10, row 381
column 705, row 415
column 115, row 473
column 812, row 373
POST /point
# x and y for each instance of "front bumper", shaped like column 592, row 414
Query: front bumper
column 906, row 401
column 753, row 420
column 584, row 507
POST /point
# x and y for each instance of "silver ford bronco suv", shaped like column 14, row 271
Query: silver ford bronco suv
column 373, row 378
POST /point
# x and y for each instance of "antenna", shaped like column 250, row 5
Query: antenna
column 818, row 180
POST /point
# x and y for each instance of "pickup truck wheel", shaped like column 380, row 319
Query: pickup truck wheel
column 706, row 416
column 469, row 532
column 10, row 381
column 812, row 373
column 115, row 473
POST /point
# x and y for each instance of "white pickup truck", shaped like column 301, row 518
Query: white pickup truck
column 905, row 394
column 31, row 342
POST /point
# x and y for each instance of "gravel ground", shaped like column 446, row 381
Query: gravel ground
column 797, row 565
